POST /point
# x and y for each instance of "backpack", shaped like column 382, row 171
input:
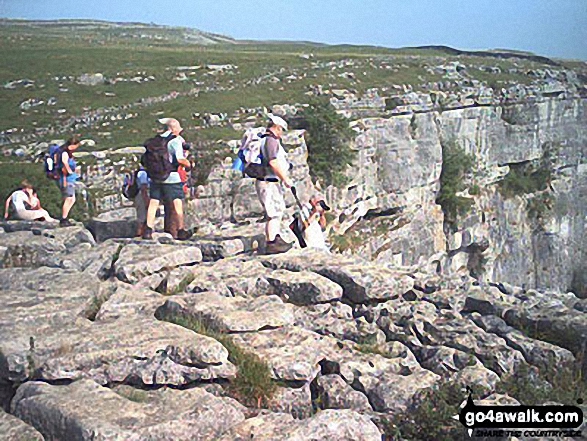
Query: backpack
column 249, row 159
column 156, row 158
column 52, row 162
column 130, row 187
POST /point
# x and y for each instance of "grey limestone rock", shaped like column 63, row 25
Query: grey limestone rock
column 303, row 288
column 14, row 429
column 230, row 314
column 138, row 261
column 86, row 411
column 335, row 393
column 343, row 425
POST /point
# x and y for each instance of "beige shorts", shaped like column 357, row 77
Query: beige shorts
column 271, row 197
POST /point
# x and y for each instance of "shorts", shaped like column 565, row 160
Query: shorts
column 166, row 192
column 271, row 197
column 67, row 191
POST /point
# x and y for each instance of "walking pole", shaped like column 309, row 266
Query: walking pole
column 295, row 193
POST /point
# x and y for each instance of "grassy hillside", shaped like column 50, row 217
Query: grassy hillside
column 146, row 61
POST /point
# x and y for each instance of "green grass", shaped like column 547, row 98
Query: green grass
column 253, row 385
column 67, row 48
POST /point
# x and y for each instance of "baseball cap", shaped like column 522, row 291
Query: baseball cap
column 278, row 121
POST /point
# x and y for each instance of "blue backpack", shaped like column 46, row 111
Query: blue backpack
column 53, row 162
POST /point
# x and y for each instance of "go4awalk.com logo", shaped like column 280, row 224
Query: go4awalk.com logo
column 518, row 421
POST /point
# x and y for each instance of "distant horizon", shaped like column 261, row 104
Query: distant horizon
column 540, row 27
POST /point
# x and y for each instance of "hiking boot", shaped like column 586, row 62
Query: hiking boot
column 148, row 233
column 65, row 223
column 184, row 235
column 277, row 246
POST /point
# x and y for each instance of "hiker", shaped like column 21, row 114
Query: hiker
column 26, row 205
column 171, row 219
column 68, row 177
column 185, row 171
column 314, row 222
column 162, row 166
column 270, row 186
column 141, row 200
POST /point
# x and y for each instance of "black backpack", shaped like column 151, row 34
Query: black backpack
column 130, row 188
column 156, row 158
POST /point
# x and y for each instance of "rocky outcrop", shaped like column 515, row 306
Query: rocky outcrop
column 147, row 327
column 388, row 213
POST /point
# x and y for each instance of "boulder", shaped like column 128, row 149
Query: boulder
column 303, row 288
column 114, row 225
column 138, row 261
column 335, row 393
column 14, row 429
column 230, row 314
column 341, row 425
column 38, row 248
column 85, row 410
column 361, row 282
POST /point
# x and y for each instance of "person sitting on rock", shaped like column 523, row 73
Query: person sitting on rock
column 314, row 222
column 26, row 205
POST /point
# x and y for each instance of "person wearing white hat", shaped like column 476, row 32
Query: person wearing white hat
column 170, row 191
column 270, row 188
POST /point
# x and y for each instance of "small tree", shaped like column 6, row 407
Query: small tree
column 456, row 166
column 329, row 139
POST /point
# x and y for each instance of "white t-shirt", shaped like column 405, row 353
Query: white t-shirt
column 175, row 149
column 313, row 235
column 19, row 197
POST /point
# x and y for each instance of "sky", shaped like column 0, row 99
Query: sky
column 555, row 28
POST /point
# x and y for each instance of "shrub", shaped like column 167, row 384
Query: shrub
column 456, row 166
column 431, row 419
column 329, row 142
column 533, row 386
column 525, row 178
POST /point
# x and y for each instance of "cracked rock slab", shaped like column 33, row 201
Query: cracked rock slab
column 335, row 393
column 303, row 288
column 230, row 314
column 138, row 261
column 86, row 411
column 340, row 425
column 362, row 282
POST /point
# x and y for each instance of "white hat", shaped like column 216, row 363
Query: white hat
column 278, row 121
